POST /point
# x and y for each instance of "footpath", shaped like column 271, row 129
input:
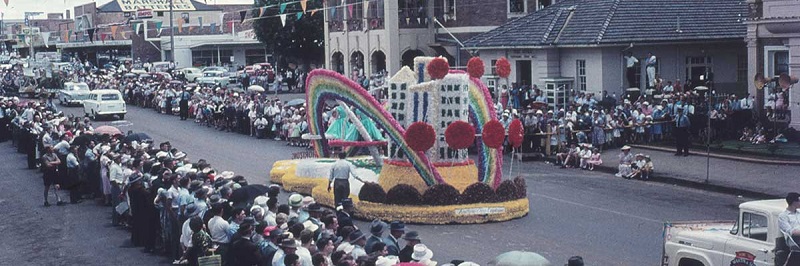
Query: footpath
column 720, row 173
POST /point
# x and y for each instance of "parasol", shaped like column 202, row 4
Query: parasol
column 255, row 88
column 107, row 130
column 519, row 258
column 138, row 137
column 296, row 102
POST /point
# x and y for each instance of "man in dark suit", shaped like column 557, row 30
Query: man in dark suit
column 343, row 212
column 396, row 231
column 412, row 238
column 682, row 125
column 376, row 229
column 243, row 251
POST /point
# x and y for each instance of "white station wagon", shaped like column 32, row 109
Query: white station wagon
column 105, row 103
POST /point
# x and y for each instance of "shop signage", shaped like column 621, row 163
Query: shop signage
column 480, row 211
column 155, row 5
column 144, row 13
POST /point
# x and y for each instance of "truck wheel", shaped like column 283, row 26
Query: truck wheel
column 94, row 116
column 122, row 117
column 689, row 262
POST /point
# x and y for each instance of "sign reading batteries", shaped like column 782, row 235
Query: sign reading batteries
column 155, row 5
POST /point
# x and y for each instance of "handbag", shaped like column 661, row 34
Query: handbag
column 210, row 260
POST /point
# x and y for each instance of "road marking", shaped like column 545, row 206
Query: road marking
column 598, row 208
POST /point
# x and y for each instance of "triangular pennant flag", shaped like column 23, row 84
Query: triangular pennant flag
column 283, row 8
column 303, row 5
column 221, row 21
column 91, row 35
column 65, row 38
column 114, row 30
column 419, row 21
column 122, row 35
column 103, row 37
column 200, row 21
column 299, row 15
column 408, row 21
column 366, row 9
column 136, row 27
column 6, row 2
column 313, row 11
column 263, row 10
column 242, row 14
column 159, row 25
column 333, row 12
column 180, row 25
column 283, row 20
column 45, row 38
column 256, row 13
column 213, row 27
column 350, row 10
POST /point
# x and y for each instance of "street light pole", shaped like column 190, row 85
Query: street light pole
column 171, row 35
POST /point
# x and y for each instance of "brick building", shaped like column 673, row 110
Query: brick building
column 386, row 34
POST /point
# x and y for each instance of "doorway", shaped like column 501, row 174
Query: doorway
column 524, row 72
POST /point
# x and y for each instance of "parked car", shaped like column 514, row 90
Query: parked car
column 73, row 93
column 752, row 239
column 217, row 78
column 266, row 67
column 104, row 103
column 191, row 74
column 159, row 67
column 215, row 68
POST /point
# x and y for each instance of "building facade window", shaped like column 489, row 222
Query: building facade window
column 494, row 68
column 580, row 74
column 516, row 7
column 741, row 68
column 780, row 62
column 211, row 57
column 254, row 56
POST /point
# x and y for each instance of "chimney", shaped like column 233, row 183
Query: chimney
column 68, row 14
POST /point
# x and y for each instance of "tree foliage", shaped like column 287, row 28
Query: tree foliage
column 299, row 40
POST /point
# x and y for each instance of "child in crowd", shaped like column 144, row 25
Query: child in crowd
column 637, row 165
column 595, row 159
column 747, row 134
column 585, row 155
column 562, row 155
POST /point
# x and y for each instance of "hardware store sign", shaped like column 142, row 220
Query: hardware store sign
column 155, row 5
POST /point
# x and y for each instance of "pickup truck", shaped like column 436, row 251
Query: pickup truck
column 752, row 240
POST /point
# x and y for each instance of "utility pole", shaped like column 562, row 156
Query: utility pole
column 171, row 35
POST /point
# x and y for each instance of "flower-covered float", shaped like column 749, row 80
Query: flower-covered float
column 418, row 169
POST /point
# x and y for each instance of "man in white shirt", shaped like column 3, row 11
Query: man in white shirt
column 630, row 65
column 218, row 228
column 789, row 224
column 339, row 178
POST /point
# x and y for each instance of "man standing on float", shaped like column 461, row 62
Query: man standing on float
column 339, row 178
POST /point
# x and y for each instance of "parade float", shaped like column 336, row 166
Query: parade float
column 417, row 168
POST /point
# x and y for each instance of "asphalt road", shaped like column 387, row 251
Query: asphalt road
column 608, row 221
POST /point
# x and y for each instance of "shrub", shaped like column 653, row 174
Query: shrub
column 522, row 187
column 507, row 191
column 478, row 193
column 403, row 194
column 440, row 195
column 372, row 192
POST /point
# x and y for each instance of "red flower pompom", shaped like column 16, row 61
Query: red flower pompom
column 459, row 135
column 475, row 67
column 515, row 132
column 438, row 68
column 420, row 136
column 503, row 67
column 493, row 134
